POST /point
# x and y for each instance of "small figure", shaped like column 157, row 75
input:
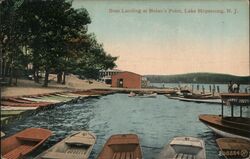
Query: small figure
column 230, row 87
column 203, row 90
column 235, row 88
column 238, row 90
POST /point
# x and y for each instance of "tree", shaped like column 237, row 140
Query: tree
column 52, row 25
column 94, row 59
column 11, row 39
column 52, row 36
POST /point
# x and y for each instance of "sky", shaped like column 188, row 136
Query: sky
column 173, row 37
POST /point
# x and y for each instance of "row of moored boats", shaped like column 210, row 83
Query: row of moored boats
column 80, row 144
column 14, row 107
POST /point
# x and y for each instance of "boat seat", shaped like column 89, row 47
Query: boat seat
column 79, row 141
column 183, row 156
column 37, row 139
column 76, row 151
column 123, row 155
column 16, row 153
column 59, row 155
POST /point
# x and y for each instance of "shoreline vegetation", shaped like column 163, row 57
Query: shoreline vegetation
column 73, row 82
column 208, row 78
column 39, row 38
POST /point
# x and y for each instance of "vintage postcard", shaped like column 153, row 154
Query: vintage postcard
column 125, row 79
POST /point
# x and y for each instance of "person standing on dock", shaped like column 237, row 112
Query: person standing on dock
column 236, row 88
column 230, row 87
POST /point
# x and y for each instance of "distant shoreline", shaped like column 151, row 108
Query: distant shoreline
column 195, row 83
column 199, row 78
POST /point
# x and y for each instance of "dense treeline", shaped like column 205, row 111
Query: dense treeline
column 198, row 78
column 50, row 35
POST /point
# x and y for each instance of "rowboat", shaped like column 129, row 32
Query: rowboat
column 76, row 95
column 121, row 146
column 41, row 100
column 131, row 94
column 17, row 108
column 17, row 100
column 143, row 95
column 91, row 93
column 25, row 104
column 5, row 113
column 209, row 101
column 102, row 91
column 7, row 116
column 239, row 147
column 66, row 95
column 184, row 148
column 24, row 142
column 152, row 95
column 76, row 146
column 54, row 97
column 86, row 94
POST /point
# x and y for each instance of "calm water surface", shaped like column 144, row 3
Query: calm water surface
column 155, row 120
column 223, row 87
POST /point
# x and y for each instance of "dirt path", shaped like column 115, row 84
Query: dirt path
column 28, row 87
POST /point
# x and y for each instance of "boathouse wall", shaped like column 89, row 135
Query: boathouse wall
column 126, row 80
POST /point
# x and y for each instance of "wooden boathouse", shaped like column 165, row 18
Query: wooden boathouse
column 127, row 80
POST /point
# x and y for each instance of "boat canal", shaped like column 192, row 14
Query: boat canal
column 155, row 120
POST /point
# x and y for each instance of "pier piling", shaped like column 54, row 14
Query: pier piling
column 218, row 89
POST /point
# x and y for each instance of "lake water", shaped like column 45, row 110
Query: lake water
column 222, row 87
column 155, row 120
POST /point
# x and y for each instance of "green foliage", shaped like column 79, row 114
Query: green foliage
column 198, row 78
column 55, row 34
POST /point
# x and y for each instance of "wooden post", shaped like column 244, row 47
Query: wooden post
column 241, row 111
column 218, row 89
column 232, row 110
column 210, row 88
column 203, row 89
column 222, row 104
column 198, row 87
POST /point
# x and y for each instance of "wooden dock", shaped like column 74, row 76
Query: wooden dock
column 144, row 90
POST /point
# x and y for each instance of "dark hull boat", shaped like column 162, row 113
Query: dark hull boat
column 230, row 126
column 124, row 146
column 200, row 96
column 24, row 142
